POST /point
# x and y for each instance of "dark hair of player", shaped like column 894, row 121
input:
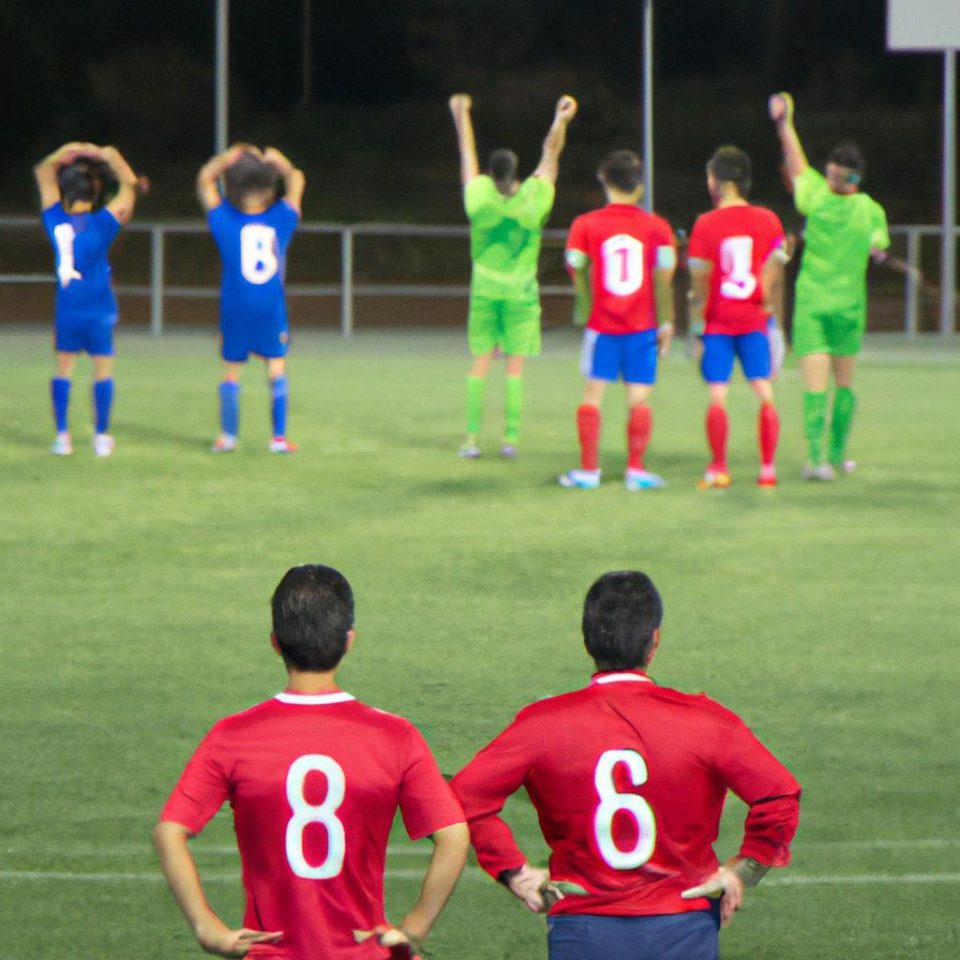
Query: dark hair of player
column 503, row 167
column 622, row 170
column 312, row 614
column 848, row 155
column 76, row 183
column 620, row 614
column 731, row 165
column 247, row 175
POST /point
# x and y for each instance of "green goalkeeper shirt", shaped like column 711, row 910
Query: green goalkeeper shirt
column 841, row 231
column 505, row 236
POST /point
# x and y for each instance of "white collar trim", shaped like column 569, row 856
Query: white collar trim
column 623, row 678
column 314, row 699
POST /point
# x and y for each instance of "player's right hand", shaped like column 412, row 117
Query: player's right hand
column 566, row 108
column 460, row 103
column 527, row 884
column 234, row 943
column 724, row 884
column 780, row 106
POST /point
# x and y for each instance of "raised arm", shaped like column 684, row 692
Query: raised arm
column 45, row 172
column 556, row 139
column 780, row 106
column 460, row 105
column 121, row 206
column 208, row 192
column 294, row 181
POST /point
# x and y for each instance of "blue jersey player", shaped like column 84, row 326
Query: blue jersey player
column 252, row 228
column 81, row 229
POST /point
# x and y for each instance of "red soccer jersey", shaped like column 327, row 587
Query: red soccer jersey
column 622, row 243
column 737, row 241
column 314, row 783
column 628, row 779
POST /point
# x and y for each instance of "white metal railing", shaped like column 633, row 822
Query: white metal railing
column 348, row 289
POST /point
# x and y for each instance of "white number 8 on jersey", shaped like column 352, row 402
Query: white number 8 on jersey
column 305, row 813
column 612, row 803
column 258, row 253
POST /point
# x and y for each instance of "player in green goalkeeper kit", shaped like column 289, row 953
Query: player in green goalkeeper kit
column 844, row 229
column 506, row 223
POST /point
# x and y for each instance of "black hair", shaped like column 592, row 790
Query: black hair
column 622, row 170
column 503, row 167
column 248, row 174
column 76, row 183
column 848, row 155
column 312, row 613
column 731, row 165
column 620, row 615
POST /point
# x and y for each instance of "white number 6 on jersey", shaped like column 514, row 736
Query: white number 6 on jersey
column 324, row 813
column 612, row 803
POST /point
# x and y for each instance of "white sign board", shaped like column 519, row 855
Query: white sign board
column 923, row 24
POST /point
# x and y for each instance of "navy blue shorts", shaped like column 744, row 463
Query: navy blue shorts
column 669, row 936
column 84, row 336
column 719, row 350
column 612, row 356
column 239, row 337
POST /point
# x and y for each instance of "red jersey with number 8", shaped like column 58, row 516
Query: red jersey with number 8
column 314, row 783
column 628, row 779
column 736, row 240
column 622, row 244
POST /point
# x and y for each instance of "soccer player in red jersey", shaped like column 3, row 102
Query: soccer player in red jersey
column 622, row 260
column 736, row 256
column 628, row 779
column 314, row 779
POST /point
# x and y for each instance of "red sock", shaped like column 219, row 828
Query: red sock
column 639, row 426
column 768, row 428
column 717, row 429
column 588, row 428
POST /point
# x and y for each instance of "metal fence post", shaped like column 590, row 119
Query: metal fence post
column 156, row 280
column 913, row 288
column 346, row 282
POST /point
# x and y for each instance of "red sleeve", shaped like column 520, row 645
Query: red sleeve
column 201, row 790
column 426, row 801
column 699, row 247
column 483, row 786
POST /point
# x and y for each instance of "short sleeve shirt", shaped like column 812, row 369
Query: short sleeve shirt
column 81, row 243
column 253, row 253
column 620, row 244
column 841, row 231
column 505, row 235
column 737, row 241
column 314, row 783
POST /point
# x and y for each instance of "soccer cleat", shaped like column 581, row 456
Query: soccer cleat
column 62, row 446
column 103, row 445
column 282, row 445
column 469, row 451
column 844, row 467
column 225, row 443
column 715, row 480
column 580, row 479
column 768, row 477
column 643, row 480
column 822, row 471
column 508, row 451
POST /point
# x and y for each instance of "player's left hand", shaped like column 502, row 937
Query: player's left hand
column 664, row 338
column 401, row 947
column 527, row 884
column 725, row 885
column 566, row 108
column 235, row 943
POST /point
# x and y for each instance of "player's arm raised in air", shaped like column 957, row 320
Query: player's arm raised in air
column 208, row 189
column 780, row 106
column 294, row 182
column 556, row 139
column 178, row 866
column 121, row 206
column 460, row 106
column 45, row 172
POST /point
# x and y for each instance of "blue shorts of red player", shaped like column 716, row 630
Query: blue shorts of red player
column 239, row 338
column 631, row 357
column 85, row 336
column 719, row 350
column 675, row 936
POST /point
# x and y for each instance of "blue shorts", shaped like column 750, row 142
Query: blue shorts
column 240, row 336
column 612, row 356
column 84, row 336
column 669, row 936
column 719, row 349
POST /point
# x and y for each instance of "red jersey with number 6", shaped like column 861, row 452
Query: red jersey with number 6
column 628, row 779
column 622, row 245
column 314, row 783
column 736, row 240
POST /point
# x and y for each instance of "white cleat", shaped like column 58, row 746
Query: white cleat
column 225, row 443
column 822, row 472
column 580, row 479
column 62, row 446
column 103, row 445
column 643, row 480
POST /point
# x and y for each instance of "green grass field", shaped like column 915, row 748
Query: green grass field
column 135, row 610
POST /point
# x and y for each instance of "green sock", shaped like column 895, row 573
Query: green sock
column 814, row 420
column 514, row 405
column 475, row 387
column 844, row 407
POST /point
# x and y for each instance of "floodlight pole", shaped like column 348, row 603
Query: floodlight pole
column 948, row 262
column 221, row 76
column 648, row 105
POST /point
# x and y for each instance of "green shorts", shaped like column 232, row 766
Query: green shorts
column 513, row 325
column 838, row 334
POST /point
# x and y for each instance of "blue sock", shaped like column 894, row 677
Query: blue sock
column 60, row 395
column 230, row 407
column 102, row 402
column 278, row 409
